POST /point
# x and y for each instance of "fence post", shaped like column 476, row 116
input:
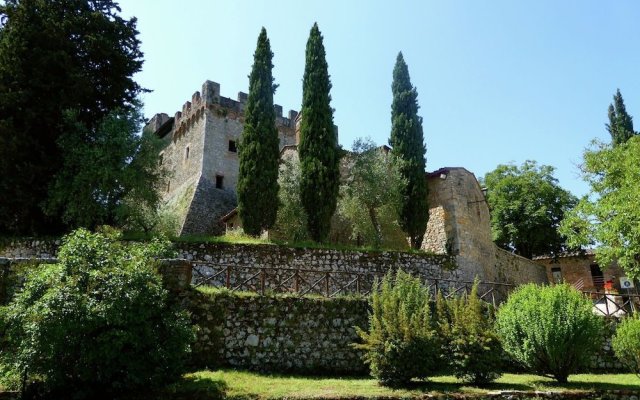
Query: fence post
column 326, row 283
column 296, row 287
column 262, row 280
column 357, row 283
column 227, row 282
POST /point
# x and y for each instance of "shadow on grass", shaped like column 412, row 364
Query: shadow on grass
column 196, row 388
column 585, row 385
column 458, row 387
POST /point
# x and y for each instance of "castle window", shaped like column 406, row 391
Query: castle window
column 161, row 158
column 232, row 146
column 219, row 180
column 186, row 153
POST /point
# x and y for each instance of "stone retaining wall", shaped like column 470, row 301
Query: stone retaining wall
column 277, row 333
column 296, row 334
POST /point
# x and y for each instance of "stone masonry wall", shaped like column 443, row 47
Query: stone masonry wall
column 273, row 334
column 517, row 270
column 298, row 334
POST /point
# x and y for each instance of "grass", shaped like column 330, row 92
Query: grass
column 242, row 385
column 216, row 291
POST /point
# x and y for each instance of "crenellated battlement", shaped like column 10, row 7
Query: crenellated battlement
column 209, row 98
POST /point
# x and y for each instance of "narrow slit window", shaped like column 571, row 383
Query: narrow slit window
column 233, row 146
column 186, row 153
column 219, row 181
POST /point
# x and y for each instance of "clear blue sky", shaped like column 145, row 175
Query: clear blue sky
column 497, row 81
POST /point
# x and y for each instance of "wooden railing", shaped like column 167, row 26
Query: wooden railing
column 305, row 281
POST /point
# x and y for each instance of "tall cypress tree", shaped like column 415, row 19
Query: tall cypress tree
column 318, row 148
column 259, row 146
column 620, row 124
column 407, row 141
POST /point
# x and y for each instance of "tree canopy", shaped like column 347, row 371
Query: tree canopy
column 109, row 175
column 620, row 125
column 527, row 206
column 56, row 56
column 259, row 147
column 369, row 205
column 319, row 152
column 609, row 215
column 407, row 142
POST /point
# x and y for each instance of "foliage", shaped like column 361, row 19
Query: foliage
column 527, row 206
column 372, row 193
column 258, row 152
column 109, row 175
column 472, row 347
column 407, row 141
column 98, row 323
column 610, row 214
column 620, row 125
column 319, row 155
column 550, row 330
column 626, row 343
column 291, row 223
column 401, row 342
column 56, row 55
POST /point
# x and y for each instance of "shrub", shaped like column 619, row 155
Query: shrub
column 98, row 323
column 471, row 347
column 550, row 330
column 626, row 343
column 401, row 343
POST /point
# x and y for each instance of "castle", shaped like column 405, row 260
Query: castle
column 201, row 155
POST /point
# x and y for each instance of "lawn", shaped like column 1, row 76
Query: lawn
column 247, row 385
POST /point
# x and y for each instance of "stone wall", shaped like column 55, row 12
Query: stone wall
column 516, row 270
column 277, row 333
column 460, row 224
column 297, row 334
column 317, row 271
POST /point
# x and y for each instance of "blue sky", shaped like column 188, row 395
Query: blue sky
column 497, row 81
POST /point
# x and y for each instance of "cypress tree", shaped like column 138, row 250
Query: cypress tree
column 318, row 142
column 259, row 146
column 620, row 124
column 407, row 141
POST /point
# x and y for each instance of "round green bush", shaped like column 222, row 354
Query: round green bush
column 401, row 343
column 550, row 330
column 97, row 324
column 626, row 343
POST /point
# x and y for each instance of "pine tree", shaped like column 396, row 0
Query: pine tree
column 259, row 147
column 407, row 141
column 318, row 142
column 620, row 124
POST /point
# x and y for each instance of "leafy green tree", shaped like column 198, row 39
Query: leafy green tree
column 472, row 346
column 401, row 342
column 291, row 223
column 550, row 330
column 99, row 323
column 369, row 205
column 527, row 206
column 55, row 55
column 610, row 214
column 620, row 124
column 259, row 147
column 108, row 175
column 407, row 141
column 319, row 155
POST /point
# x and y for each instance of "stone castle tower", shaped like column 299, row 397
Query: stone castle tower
column 201, row 154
